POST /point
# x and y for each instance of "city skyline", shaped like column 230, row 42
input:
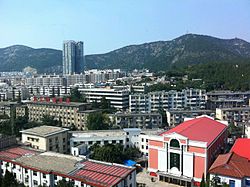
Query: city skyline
column 105, row 26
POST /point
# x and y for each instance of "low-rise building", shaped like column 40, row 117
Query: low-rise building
column 233, row 168
column 184, row 153
column 34, row 168
column 175, row 117
column 127, row 137
column 47, row 138
column 137, row 120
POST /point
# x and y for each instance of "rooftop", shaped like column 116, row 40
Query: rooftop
column 91, row 172
column 231, row 164
column 197, row 129
column 71, row 104
column 241, row 147
column 49, row 161
column 44, row 131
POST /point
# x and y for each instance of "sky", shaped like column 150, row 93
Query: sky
column 105, row 25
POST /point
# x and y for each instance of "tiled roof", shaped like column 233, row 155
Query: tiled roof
column 231, row 165
column 88, row 171
column 202, row 129
column 107, row 175
column 241, row 147
column 14, row 153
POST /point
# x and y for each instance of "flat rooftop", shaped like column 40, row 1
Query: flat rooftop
column 113, row 133
column 49, row 161
column 44, row 131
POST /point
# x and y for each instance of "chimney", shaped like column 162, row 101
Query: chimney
column 35, row 99
column 41, row 99
column 67, row 100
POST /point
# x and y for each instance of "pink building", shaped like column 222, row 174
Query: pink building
column 183, row 154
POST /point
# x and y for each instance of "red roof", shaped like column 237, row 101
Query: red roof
column 14, row 153
column 242, row 147
column 202, row 129
column 102, row 174
column 232, row 165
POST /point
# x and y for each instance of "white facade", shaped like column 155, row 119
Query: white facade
column 127, row 137
column 153, row 101
column 230, row 180
column 118, row 98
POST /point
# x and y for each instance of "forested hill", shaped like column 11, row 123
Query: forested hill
column 162, row 55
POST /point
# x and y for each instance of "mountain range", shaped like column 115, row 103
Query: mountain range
column 183, row 51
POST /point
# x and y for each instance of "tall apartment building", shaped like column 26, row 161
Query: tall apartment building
column 118, row 98
column 73, row 57
column 69, row 113
column 35, row 168
column 47, row 138
column 153, row 101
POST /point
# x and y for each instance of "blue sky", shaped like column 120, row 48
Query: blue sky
column 105, row 25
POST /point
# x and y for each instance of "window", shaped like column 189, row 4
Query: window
column 231, row 183
column 35, row 182
column 50, row 148
column 247, row 182
column 55, row 177
column 44, row 175
column 142, row 139
column 34, row 173
column 174, row 143
column 64, row 140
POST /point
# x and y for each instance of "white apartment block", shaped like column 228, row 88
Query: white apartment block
column 118, row 99
column 46, row 80
column 34, row 168
column 153, row 101
column 50, row 91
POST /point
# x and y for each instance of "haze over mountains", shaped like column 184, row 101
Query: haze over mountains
column 161, row 55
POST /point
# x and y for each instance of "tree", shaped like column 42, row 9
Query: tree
column 203, row 183
column 97, row 121
column 9, row 180
column 164, row 117
column 76, row 96
column 114, row 153
column 64, row 183
column 108, row 153
column 49, row 120
column 105, row 104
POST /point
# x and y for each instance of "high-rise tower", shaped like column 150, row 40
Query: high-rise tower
column 73, row 57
